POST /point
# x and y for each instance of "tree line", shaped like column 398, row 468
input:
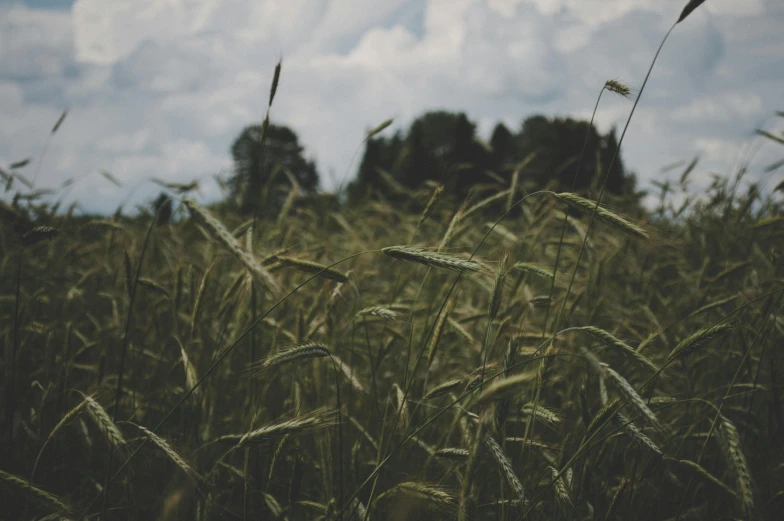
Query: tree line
column 270, row 165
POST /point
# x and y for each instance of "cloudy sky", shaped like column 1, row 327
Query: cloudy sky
column 160, row 88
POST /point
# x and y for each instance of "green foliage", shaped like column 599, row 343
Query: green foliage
column 265, row 172
column 443, row 147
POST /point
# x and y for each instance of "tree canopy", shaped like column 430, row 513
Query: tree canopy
column 265, row 172
column 443, row 146
column 438, row 146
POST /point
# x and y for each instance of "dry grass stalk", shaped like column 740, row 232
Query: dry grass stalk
column 275, row 455
column 443, row 388
column 698, row 340
column 605, row 215
column 379, row 128
column 39, row 496
column 63, row 421
column 504, row 387
column 104, row 422
column 151, row 284
column 636, row 434
column 313, row 268
column 528, row 443
column 729, row 441
column 561, row 490
column 701, row 471
column 467, row 490
column 301, row 351
column 484, row 203
column 616, row 500
column 401, row 406
column 533, row 269
column 513, row 186
column 453, row 453
column 691, row 6
column 378, row 311
column 300, row 425
column 190, row 370
column 430, row 204
column 219, row 232
column 612, row 341
column 348, row 373
column 478, row 375
column 450, row 231
column 496, row 294
column 38, row 234
column 275, row 80
column 507, row 470
column 618, row 88
column 170, row 453
column 548, row 416
column 438, row 332
column 461, row 330
column 434, row 496
column 353, row 421
column 434, row 260
column 630, row 396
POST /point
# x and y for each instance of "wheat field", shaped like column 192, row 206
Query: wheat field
column 521, row 355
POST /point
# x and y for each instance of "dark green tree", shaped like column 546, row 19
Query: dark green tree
column 505, row 149
column 439, row 145
column 382, row 155
column 559, row 143
column 163, row 206
column 265, row 172
column 442, row 146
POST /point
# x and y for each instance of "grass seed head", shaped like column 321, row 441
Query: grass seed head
column 432, row 259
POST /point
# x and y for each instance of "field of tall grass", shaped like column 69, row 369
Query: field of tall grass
column 520, row 356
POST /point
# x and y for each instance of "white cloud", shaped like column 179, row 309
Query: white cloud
column 724, row 107
column 161, row 87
